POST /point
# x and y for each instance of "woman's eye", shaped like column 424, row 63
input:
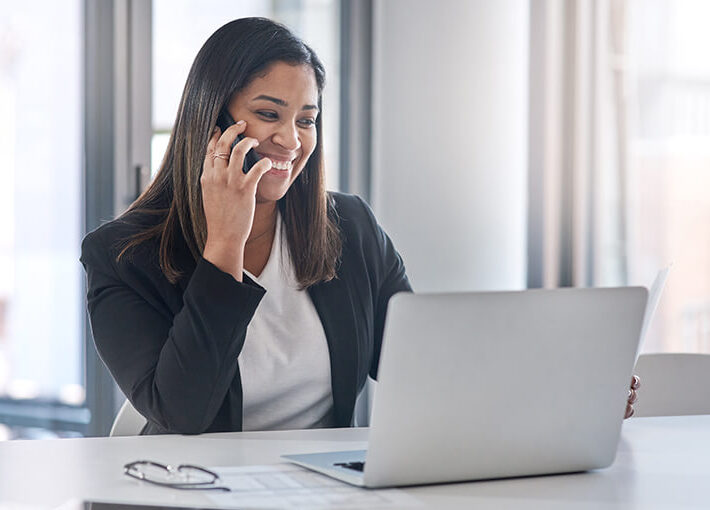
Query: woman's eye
column 274, row 116
column 268, row 115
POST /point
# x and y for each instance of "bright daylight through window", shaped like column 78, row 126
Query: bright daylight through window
column 41, row 316
column 669, row 165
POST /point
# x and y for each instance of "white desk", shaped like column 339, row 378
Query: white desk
column 662, row 463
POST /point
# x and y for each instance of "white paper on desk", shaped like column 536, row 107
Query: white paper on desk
column 654, row 297
column 291, row 486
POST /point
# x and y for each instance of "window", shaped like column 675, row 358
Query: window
column 668, row 78
column 41, row 316
column 620, row 155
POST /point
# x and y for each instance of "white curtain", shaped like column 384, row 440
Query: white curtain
column 577, row 157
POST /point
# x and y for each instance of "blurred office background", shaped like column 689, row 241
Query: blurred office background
column 503, row 145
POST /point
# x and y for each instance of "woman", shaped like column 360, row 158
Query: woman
column 224, row 300
column 208, row 250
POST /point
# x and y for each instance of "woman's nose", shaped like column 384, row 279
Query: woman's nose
column 287, row 137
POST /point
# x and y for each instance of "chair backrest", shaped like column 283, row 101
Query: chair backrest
column 128, row 421
column 363, row 404
column 673, row 384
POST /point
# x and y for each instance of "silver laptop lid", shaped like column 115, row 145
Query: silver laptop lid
column 497, row 384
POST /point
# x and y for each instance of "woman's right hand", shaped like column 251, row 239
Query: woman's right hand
column 229, row 198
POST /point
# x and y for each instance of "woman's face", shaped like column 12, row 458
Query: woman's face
column 280, row 109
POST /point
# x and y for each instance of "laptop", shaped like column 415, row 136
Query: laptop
column 489, row 385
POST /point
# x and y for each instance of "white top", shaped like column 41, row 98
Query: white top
column 285, row 362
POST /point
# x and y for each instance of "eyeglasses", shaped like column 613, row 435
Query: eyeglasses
column 184, row 476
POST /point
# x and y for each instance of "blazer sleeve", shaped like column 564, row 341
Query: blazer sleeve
column 175, row 369
column 391, row 278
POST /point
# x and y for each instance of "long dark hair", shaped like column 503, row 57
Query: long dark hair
column 234, row 55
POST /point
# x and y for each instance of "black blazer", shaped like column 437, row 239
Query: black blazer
column 173, row 349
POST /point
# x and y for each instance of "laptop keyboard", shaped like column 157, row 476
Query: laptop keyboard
column 355, row 466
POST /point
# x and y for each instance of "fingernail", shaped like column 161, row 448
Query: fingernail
column 240, row 122
column 256, row 142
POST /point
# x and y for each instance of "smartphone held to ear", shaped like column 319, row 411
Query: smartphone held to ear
column 224, row 121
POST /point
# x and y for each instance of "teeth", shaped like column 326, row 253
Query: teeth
column 281, row 165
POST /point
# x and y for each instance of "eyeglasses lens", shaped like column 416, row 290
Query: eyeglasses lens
column 185, row 475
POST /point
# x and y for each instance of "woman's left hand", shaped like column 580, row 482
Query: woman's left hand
column 635, row 385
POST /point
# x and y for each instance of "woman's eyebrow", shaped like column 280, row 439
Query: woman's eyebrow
column 281, row 102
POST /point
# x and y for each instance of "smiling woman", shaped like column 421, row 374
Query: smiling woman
column 281, row 109
column 224, row 300
column 286, row 137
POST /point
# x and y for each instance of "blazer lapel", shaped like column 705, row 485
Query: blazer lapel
column 334, row 305
column 336, row 311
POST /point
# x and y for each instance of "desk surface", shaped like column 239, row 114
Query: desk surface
column 662, row 463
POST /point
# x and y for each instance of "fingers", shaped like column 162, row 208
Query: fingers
column 258, row 170
column 224, row 145
column 629, row 411
column 236, row 159
column 228, row 161
column 221, row 154
column 635, row 382
column 632, row 396
column 211, row 147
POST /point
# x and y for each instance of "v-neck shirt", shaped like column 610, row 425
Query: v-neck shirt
column 285, row 363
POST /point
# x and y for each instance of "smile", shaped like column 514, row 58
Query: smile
column 278, row 164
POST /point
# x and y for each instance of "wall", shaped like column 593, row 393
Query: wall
column 450, row 139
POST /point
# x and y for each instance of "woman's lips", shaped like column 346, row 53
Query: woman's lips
column 278, row 162
column 279, row 167
column 278, row 173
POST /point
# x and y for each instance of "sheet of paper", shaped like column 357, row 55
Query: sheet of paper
column 654, row 297
column 290, row 486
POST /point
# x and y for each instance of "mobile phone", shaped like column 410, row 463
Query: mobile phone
column 224, row 120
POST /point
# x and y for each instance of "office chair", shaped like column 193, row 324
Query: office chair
column 363, row 404
column 673, row 384
column 128, row 421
